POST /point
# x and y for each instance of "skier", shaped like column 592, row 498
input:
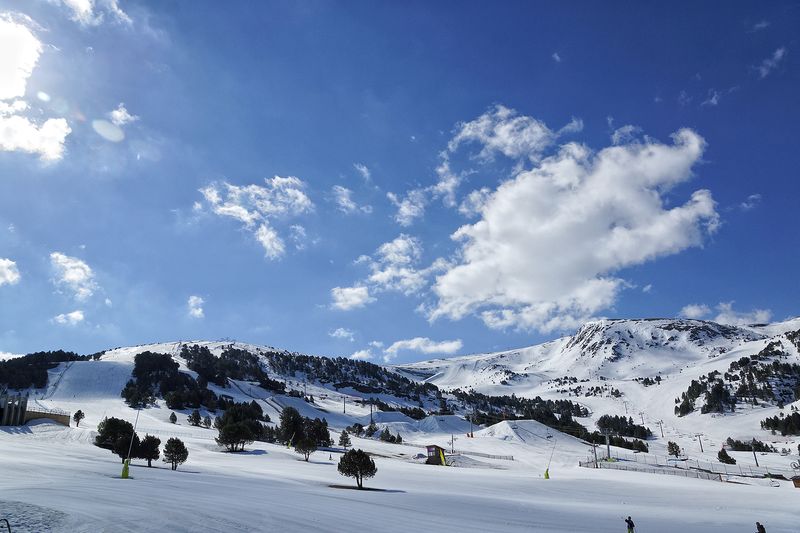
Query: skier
column 760, row 528
column 630, row 525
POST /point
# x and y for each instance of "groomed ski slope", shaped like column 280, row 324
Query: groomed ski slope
column 269, row 488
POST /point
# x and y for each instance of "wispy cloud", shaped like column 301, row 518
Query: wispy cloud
column 343, row 197
column 343, row 333
column 771, row 63
column 751, row 202
column 556, row 57
column 712, row 99
column 255, row 206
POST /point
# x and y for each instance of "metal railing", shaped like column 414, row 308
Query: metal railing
column 667, row 471
column 707, row 466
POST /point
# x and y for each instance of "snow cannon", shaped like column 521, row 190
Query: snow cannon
column 125, row 469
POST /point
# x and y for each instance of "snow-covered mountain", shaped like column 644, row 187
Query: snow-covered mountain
column 611, row 349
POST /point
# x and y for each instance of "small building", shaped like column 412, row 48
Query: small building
column 435, row 455
column 796, row 481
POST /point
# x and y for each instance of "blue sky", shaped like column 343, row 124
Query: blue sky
column 392, row 181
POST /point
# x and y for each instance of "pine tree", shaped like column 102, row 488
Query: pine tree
column 399, row 439
column 173, row 418
column 109, row 430
column 386, row 436
column 673, row 449
column 175, row 452
column 725, row 458
column 305, row 447
column 77, row 417
column 148, row 449
column 344, row 439
column 195, row 418
column 291, row 424
column 207, row 422
column 371, row 429
column 123, row 445
column 235, row 436
column 357, row 464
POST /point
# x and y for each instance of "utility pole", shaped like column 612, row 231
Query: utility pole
column 370, row 410
column 594, row 449
column 700, row 440
column 625, row 403
column 661, row 425
column 344, row 405
column 452, row 443
column 470, row 423
column 754, row 451
column 641, row 413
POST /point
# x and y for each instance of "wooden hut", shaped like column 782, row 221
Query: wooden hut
column 796, row 481
column 435, row 455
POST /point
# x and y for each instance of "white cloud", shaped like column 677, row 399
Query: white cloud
column 362, row 355
column 394, row 266
column 410, row 207
column 346, row 298
column 18, row 133
column 760, row 25
column 556, row 57
column 625, row 134
column 362, row 169
column 499, row 131
column 9, row 273
column 647, row 288
column 343, row 333
column 751, row 202
column 422, row 345
column 121, row 117
column 299, row 236
column 74, row 275
column 21, row 51
column 771, row 63
column 268, row 238
column 345, row 203
column 195, row 306
column 545, row 252
column 473, row 204
column 713, row 98
column 727, row 315
column 69, row 319
column 502, row 130
column 95, row 12
column 694, row 311
column 254, row 206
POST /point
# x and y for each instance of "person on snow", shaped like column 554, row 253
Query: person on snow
column 760, row 528
column 631, row 525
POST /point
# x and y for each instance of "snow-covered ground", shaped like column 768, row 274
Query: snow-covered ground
column 52, row 478
column 269, row 488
